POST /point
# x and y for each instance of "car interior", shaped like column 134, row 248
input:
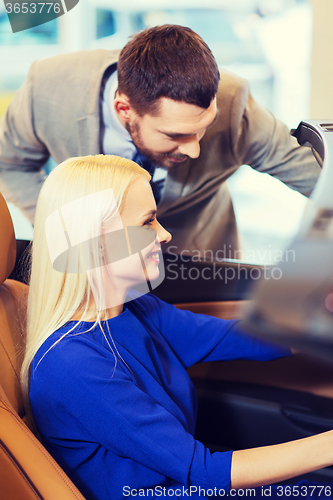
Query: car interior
column 242, row 404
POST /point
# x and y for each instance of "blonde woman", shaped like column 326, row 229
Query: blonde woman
column 105, row 376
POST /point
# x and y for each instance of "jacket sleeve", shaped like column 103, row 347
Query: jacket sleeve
column 260, row 140
column 22, row 154
column 197, row 337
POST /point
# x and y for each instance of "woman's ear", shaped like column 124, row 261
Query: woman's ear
column 123, row 108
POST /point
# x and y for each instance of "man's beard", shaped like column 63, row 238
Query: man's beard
column 157, row 159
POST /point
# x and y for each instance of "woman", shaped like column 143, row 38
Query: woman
column 105, row 375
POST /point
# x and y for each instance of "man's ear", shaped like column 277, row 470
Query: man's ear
column 123, row 108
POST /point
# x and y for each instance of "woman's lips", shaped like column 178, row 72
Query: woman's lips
column 155, row 255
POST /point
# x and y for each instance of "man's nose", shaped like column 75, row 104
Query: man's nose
column 190, row 147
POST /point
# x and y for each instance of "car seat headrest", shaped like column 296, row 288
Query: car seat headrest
column 7, row 242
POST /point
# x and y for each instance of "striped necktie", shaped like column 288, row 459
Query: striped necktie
column 156, row 187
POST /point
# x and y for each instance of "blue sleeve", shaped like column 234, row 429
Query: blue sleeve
column 110, row 409
column 197, row 337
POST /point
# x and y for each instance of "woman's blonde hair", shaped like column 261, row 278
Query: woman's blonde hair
column 55, row 296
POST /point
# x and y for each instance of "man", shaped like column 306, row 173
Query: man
column 164, row 104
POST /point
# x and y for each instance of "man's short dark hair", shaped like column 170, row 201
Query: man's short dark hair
column 167, row 61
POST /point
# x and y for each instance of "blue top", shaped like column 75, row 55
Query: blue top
column 118, row 412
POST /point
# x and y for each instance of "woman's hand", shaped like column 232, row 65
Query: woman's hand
column 272, row 464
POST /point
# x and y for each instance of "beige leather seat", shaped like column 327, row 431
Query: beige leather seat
column 27, row 471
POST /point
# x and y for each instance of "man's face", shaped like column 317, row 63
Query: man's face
column 174, row 134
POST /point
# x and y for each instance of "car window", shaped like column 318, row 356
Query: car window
column 268, row 215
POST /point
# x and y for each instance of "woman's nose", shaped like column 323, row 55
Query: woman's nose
column 163, row 235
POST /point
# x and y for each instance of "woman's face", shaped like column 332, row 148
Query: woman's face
column 144, row 237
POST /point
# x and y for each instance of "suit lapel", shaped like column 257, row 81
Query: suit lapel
column 89, row 124
column 88, row 135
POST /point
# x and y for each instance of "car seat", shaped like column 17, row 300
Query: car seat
column 27, row 470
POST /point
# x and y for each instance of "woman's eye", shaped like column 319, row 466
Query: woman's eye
column 149, row 222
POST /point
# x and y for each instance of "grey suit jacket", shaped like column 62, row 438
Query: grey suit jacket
column 57, row 112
